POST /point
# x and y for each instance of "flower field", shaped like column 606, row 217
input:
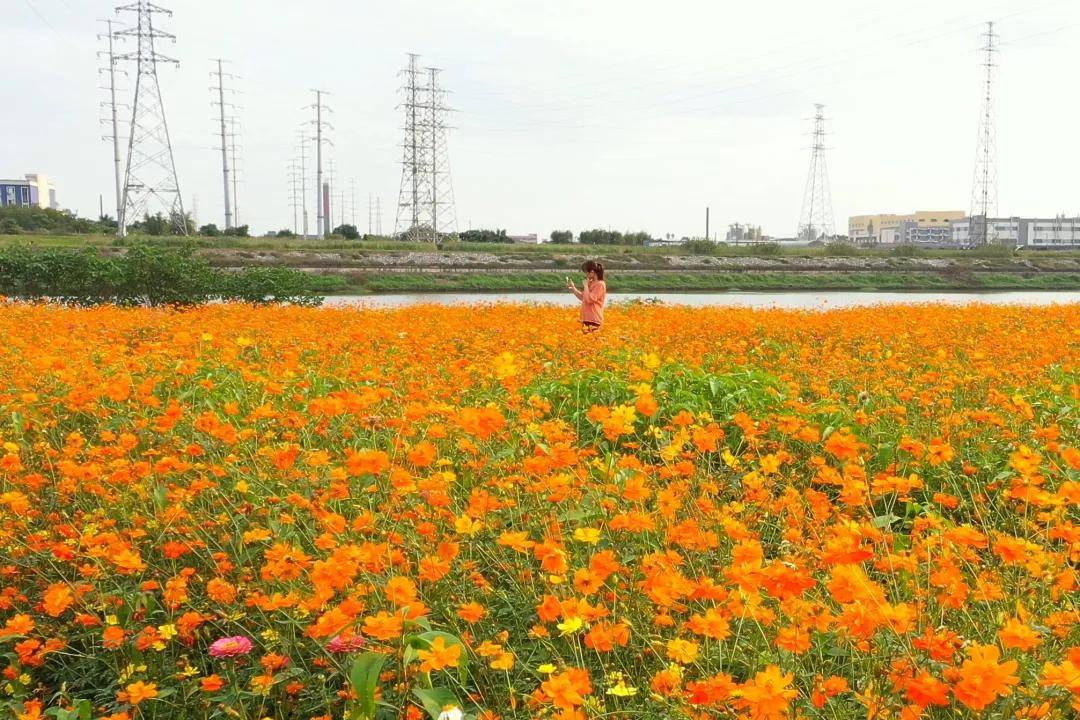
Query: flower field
column 239, row 512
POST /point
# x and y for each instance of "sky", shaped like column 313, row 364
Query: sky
column 568, row 115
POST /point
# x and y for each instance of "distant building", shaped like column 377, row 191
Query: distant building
column 739, row 233
column 532, row 239
column 886, row 229
column 1034, row 233
column 33, row 191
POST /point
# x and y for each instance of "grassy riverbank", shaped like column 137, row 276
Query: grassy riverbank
column 704, row 282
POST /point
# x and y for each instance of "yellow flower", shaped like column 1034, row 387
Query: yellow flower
column 546, row 668
column 587, row 535
column 621, row 689
column 465, row 525
column 241, row 486
column 570, row 625
column 167, row 632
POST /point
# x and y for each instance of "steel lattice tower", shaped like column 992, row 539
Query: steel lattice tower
column 150, row 179
column 816, row 220
column 415, row 193
column 443, row 214
column 984, row 191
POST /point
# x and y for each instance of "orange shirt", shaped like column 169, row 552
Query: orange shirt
column 592, row 302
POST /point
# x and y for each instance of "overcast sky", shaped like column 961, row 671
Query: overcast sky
column 633, row 115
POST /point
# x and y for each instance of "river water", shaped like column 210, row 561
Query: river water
column 799, row 300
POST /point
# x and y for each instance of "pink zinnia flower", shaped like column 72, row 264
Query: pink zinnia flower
column 345, row 643
column 231, row 647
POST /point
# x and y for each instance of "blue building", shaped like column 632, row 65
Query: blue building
column 33, row 191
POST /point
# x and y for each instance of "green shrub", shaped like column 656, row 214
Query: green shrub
column 765, row 249
column 992, row 250
column 840, row 249
column 147, row 274
column 907, row 250
column 701, row 247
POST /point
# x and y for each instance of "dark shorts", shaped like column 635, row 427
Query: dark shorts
column 589, row 326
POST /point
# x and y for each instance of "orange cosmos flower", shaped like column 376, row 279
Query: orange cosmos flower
column 983, row 679
column 138, row 692
column 471, row 612
column 1018, row 635
column 768, row 695
column 383, row 626
column 439, row 656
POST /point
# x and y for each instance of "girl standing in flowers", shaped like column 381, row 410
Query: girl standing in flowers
column 593, row 294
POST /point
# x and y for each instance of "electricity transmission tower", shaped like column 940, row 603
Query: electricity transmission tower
column 378, row 216
column 296, row 183
column 150, row 179
column 225, row 172
column 443, row 217
column 320, row 202
column 413, row 194
column 352, row 202
column 816, row 220
column 234, row 143
column 984, row 197
column 426, row 196
column 302, row 147
column 329, row 199
column 118, row 170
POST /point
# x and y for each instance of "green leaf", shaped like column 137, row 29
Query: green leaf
column 364, row 678
column 883, row 521
column 435, row 699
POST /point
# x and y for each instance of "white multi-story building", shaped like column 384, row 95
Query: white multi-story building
column 34, row 190
column 1035, row 233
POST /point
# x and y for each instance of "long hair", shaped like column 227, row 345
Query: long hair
column 593, row 266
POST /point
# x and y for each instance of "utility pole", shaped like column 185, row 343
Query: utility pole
column 378, row 216
column 706, row 222
column 370, row 210
column 321, row 203
column 115, row 136
column 224, row 143
column 151, row 167
column 816, row 219
column 984, row 187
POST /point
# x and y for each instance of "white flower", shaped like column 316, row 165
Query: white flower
column 451, row 713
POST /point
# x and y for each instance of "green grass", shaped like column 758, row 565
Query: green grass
column 685, row 282
column 494, row 248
